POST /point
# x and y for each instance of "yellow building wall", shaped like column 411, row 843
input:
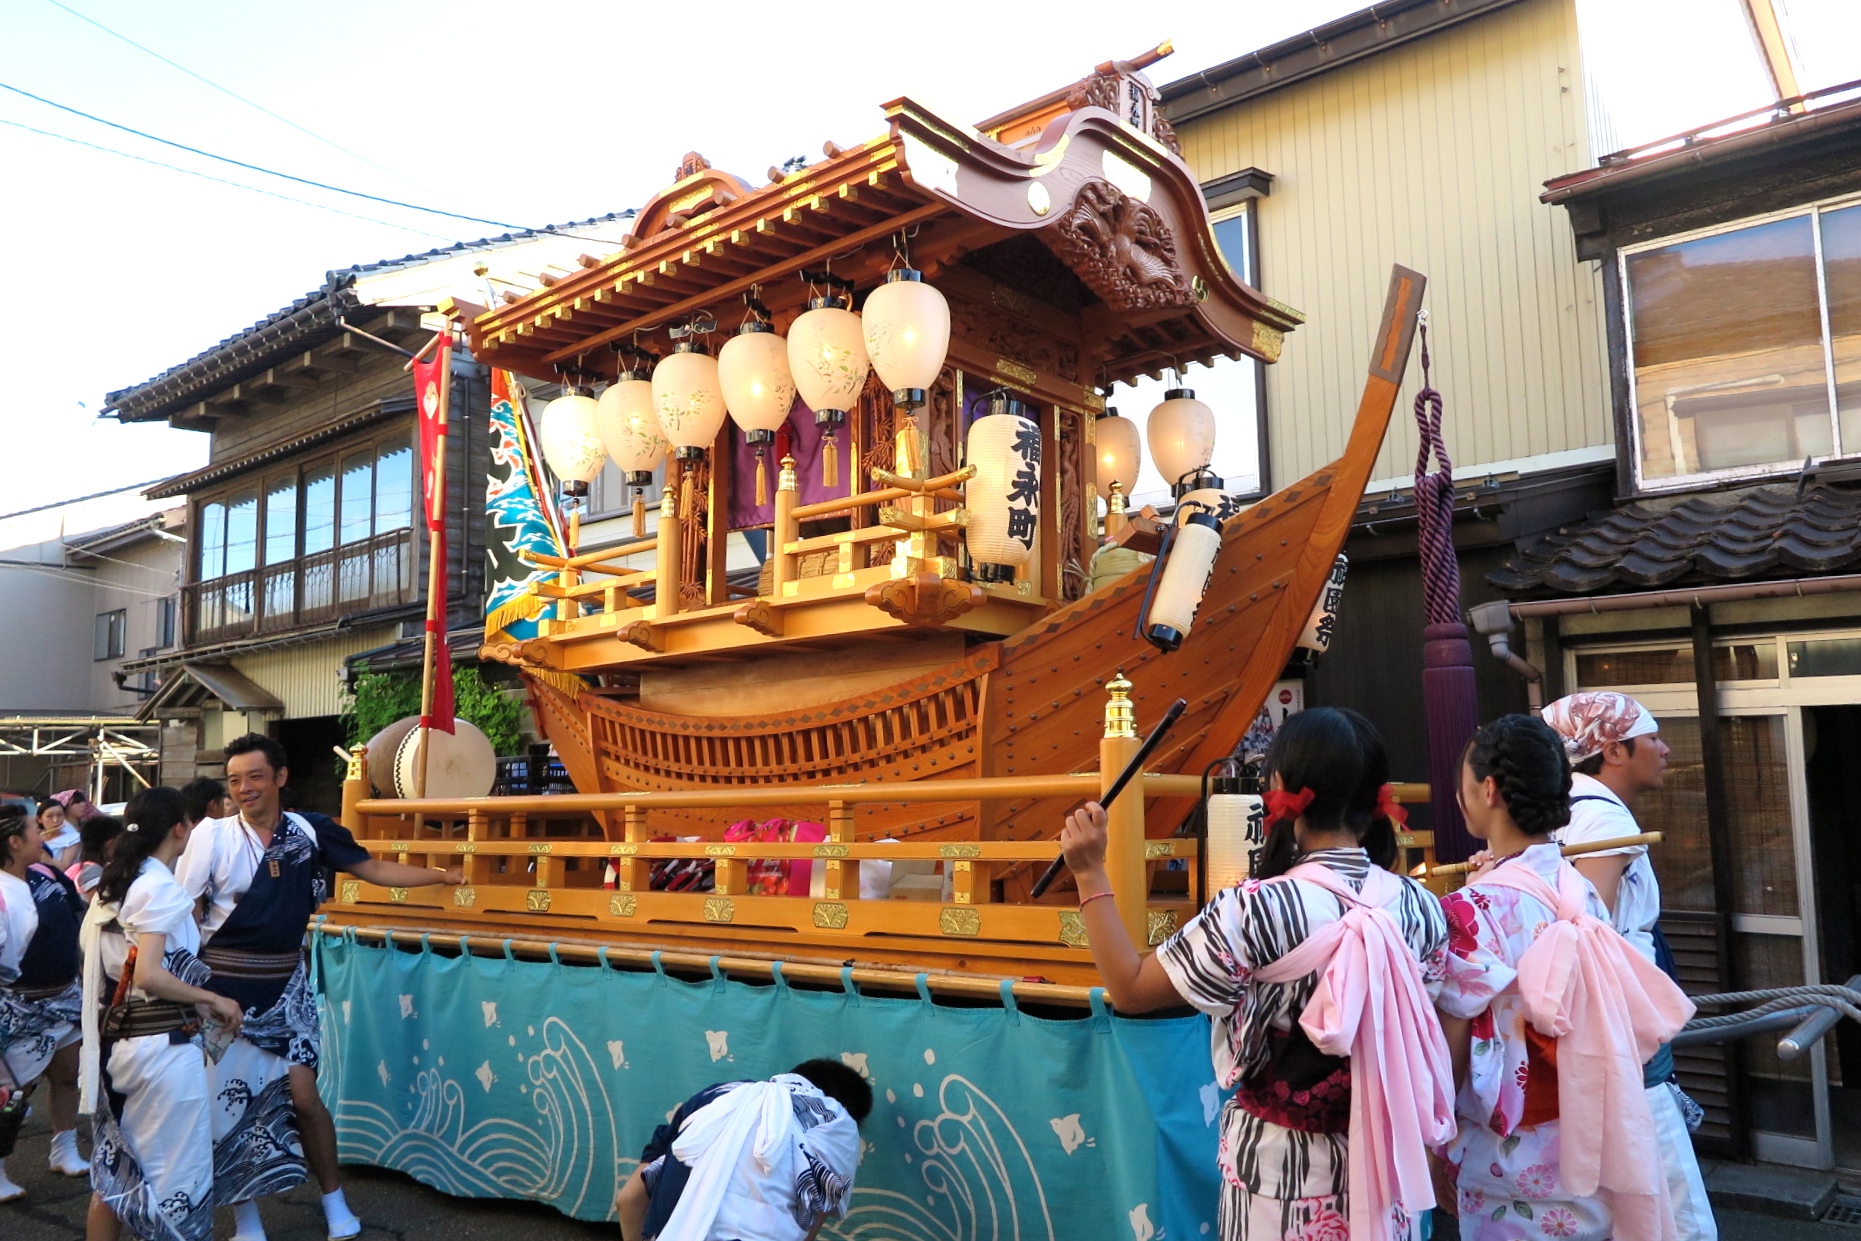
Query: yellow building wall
column 1431, row 155
column 304, row 677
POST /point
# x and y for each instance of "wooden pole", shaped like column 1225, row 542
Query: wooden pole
column 786, row 530
column 1592, row 846
column 1124, row 853
column 435, row 579
column 355, row 790
column 666, row 563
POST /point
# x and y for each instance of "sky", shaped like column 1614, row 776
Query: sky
column 116, row 269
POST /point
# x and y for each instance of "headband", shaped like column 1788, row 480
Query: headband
column 1589, row 721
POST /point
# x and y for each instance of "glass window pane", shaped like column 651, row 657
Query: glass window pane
column 281, row 521
column 1736, row 661
column 1683, row 861
column 319, row 509
column 1835, row 657
column 1841, row 265
column 212, row 541
column 358, row 497
column 394, row 489
column 1728, row 351
column 242, row 532
column 1231, row 240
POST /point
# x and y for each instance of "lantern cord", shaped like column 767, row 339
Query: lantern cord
column 1434, row 504
column 685, row 495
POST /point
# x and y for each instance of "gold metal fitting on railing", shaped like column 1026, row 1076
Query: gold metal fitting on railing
column 1120, row 714
column 786, row 480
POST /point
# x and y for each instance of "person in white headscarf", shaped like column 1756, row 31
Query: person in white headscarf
column 1616, row 757
column 752, row 1161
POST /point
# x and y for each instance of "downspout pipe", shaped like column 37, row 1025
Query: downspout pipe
column 1493, row 621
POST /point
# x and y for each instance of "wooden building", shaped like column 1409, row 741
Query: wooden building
column 302, row 555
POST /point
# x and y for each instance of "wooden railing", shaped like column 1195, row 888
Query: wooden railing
column 355, row 577
column 539, row 865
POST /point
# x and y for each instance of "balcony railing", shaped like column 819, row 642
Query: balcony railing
column 356, row 577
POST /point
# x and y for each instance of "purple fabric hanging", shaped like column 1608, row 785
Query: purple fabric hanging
column 1450, row 698
column 804, row 446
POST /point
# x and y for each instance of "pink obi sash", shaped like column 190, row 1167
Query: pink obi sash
column 1610, row 1009
column 1371, row 1005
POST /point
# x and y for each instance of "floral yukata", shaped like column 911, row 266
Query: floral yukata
column 1506, row 1155
column 1283, row 1152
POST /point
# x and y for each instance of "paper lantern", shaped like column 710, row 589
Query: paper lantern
column 752, row 369
column 629, row 428
column 1186, row 565
column 1181, row 432
column 1120, row 455
column 1236, row 828
column 1003, row 498
column 1322, row 623
column 827, row 357
column 689, row 402
column 572, row 440
column 1217, row 503
column 907, row 334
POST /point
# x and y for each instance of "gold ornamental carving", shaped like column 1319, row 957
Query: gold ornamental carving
column 830, row 851
column 464, row 898
column 960, row 922
column 718, row 909
column 1073, row 930
column 536, row 900
column 465, row 846
column 535, row 849
column 398, row 895
column 622, row 905
column 623, row 850
column 1012, row 369
column 1154, row 849
column 1268, row 341
column 1121, row 248
column 720, row 851
column 351, row 891
column 1161, row 924
column 830, row 915
column 959, row 850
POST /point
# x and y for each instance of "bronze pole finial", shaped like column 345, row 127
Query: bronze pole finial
column 1120, row 713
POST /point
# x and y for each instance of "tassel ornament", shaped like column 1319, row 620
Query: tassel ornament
column 830, row 463
column 639, row 515
column 762, row 479
column 685, row 495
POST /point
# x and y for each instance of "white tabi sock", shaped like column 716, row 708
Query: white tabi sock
column 64, row 1158
column 341, row 1220
column 8, row 1190
column 247, row 1226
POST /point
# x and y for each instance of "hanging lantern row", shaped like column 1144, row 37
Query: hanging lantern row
column 571, row 438
column 1181, row 432
column 629, row 428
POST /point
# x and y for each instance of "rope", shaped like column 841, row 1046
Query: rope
column 1831, row 995
column 1434, row 505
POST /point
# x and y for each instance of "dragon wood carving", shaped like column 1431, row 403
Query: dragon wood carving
column 1122, row 249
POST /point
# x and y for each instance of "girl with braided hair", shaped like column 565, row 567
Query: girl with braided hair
column 1318, row 975
column 1546, row 1010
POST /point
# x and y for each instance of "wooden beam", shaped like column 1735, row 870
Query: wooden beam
column 767, row 275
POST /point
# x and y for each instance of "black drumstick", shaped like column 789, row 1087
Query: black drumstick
column 1131, row 769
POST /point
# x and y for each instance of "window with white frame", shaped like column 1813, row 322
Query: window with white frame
column 1229, row 386
column 1745, row 346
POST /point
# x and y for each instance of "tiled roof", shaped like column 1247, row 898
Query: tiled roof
column 304, row 323
column 1761, row 532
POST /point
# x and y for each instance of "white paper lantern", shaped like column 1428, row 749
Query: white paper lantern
column 572, row 440
column 752, row 371
column 1120, row 455
column 1181, row 432
column 1236, row 827
column 1322, row 623
column 689, row 402
column 629, row 428
column 1186, row 569
column 1212, row 500
column 1003, row 498
column 907, row 334
column 827, row 357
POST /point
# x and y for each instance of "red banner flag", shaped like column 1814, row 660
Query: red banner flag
column 431, row 391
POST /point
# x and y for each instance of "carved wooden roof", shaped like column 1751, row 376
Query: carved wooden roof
column 1114, row 204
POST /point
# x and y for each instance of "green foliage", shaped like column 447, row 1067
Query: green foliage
column 377, row 699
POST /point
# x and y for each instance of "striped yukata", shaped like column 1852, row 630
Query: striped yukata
column 1283, row 1150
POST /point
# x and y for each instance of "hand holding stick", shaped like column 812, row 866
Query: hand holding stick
column 1131, row 769
column 1593, row 846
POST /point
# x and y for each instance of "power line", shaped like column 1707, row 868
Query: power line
column 238, row 185
column 241, row 98
column 95, row 495
column 270, row 172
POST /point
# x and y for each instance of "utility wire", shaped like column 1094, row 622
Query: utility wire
column 270, row 172
column 115, row 34
column 239, row 185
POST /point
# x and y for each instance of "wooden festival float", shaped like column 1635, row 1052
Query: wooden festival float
column 889, row 676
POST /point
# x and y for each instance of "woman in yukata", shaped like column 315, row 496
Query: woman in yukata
column 40, row 1001
column 1317, row 973
column 152, row 1151
column 1549, row 1014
